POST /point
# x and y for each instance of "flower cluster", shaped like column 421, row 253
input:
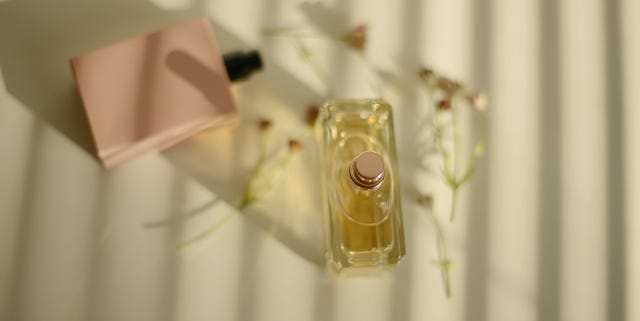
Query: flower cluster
column 264, row 178
column 448, row 90
column 267, row 174
column 447, row 95
column 354, row 38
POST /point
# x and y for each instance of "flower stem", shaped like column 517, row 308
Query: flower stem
column 209, row 230
column 320, row 72
column 246, row 201
column 298, row 35
column 292, row 32
column 454, row 182
column 444, row 261
column 454, row 202
column 446, row 277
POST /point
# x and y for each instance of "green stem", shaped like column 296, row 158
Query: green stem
column 446, row 277
column 217, row 225
column 320, row 72
column 454, row 143
column 444, row 261
column 446, row 171
column 454, row 202
column 293, row 32
column 297, row 35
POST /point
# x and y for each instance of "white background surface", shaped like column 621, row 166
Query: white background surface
column 546, row 231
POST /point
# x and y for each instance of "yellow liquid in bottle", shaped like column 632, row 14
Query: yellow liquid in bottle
column 364, row 217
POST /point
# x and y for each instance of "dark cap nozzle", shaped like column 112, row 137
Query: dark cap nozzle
column 241, row 65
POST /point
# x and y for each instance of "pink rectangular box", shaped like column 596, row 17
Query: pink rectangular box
column 150, row 92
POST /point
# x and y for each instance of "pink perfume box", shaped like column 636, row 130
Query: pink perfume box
column 150, row 92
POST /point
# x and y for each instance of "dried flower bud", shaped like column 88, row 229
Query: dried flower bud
column 478, row 101
column 295, row 145
column 356, row 38
column 426, row 200
column 445, row 84
column 428, row 77
column 312, row 114
column 425, row 73
column 264, row 125
column 444, row 104
column 449, row 86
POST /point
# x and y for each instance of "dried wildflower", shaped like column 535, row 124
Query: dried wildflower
column 356, row 38
column 428, row 77
column 426, row 73
column 312, row 114
column 444, row 93
column 295, row 145
column 426, row 200
column 264, row 178
column 448, row 86
column 264, row 124
column 444, row 104
column 478, row 101
column 445, row 84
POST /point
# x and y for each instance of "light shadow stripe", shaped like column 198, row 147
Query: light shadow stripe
column 478, row 229
column 19, row 271
column 616, row 232
column 251, row 246
column 549, row 128
column 412, row 31
column 326, row 292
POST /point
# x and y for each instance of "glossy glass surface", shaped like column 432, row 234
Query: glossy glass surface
column 363, row 225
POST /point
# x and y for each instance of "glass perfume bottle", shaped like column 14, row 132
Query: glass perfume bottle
column 362, row 199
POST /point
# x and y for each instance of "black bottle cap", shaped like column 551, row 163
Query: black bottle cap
column 242, row 64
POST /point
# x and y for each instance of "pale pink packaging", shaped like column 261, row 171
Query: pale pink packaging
column 150, row 92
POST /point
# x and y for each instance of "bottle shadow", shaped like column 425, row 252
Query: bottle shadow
column 222, row 159
column 200, row 76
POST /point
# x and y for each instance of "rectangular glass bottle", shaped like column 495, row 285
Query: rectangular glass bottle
column 362, row 198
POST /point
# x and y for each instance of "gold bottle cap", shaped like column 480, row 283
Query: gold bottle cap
column 367, row 169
